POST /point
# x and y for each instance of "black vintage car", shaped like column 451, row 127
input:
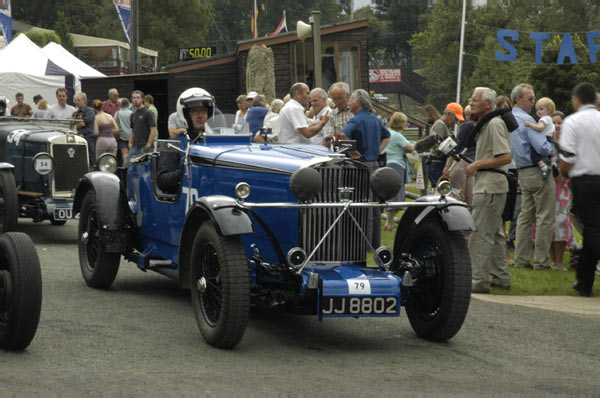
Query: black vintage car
column 41, row 162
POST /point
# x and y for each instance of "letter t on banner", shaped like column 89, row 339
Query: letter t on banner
column 539, row 41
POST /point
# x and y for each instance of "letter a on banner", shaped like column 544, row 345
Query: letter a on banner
column 123, row 8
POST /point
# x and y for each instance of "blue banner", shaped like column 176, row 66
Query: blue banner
column 123, row 8
column 6, row 20
column 566, row 54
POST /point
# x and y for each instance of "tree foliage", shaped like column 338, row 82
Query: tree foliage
column 42, row 38
column 437, row 47
column 63, row 29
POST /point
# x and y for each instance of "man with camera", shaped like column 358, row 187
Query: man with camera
column 440, row 130
column 492, row 156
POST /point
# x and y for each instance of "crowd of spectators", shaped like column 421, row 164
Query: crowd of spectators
column 519, row 196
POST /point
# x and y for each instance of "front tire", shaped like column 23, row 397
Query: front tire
column 438, row 302
column 220, row 286
column 21, row 290
column 9, row 202
column 98, row 267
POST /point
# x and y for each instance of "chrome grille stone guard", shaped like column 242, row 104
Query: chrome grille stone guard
column 345, row 206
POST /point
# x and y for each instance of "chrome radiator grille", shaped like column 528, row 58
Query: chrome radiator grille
column 70, row 164
column 345, row 242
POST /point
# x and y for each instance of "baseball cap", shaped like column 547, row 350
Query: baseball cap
column 457, row 110
column 36, row 98
column 251, row 95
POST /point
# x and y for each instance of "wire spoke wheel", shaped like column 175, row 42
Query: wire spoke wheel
column 98, row 267
column 220, row 286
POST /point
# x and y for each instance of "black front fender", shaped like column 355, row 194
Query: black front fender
column 454, row 216
column 226, row 217
column 107, row 187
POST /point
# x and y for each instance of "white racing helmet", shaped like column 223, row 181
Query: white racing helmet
column 192, row 98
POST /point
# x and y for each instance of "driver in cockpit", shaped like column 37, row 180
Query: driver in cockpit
column 195, row 106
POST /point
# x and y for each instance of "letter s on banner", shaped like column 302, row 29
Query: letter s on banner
column 511, row 54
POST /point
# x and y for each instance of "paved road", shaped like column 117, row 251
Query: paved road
column 140, row 338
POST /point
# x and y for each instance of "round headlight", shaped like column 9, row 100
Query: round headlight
column 108, row 163
column 242, row 190
column 384, row 255
column 444, row 187
column 385, row 182
column 43, row 163
column 296, row 257
column 306, row 184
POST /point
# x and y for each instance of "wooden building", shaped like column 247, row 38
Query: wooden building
column 344, row 57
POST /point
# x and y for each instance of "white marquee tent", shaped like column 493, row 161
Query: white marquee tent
column 25, row 68
column 63, row 58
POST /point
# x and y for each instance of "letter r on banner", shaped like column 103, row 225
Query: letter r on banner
column 511, row 51
column 592, row 46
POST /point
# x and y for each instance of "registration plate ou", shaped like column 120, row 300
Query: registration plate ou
column 63, row 214
column 348, row 305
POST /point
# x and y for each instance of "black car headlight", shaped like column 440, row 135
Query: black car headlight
column 43, row 163
column 108, row 163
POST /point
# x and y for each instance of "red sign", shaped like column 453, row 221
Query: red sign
column 385, row 75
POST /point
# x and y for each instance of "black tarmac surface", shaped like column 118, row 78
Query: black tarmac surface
column 140, row 339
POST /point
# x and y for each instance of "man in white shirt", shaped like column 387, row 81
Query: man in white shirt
column 294, row 128
column 580, row 159
column 61, row 110
column 318, row 100
column 175, row 125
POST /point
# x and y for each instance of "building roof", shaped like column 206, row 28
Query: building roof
column 84, row 41
column 245, row 45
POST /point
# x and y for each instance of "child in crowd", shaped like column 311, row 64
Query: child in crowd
column 543, row 108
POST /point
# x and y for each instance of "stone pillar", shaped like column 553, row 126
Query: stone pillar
column 260, row 71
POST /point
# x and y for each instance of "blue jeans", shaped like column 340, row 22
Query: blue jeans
column 434, row 170
column 91, row 143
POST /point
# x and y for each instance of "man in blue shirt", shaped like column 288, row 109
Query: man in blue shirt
column 371, row 138
column 538, row 200
column 85, row 127
column 370, row 134
column 256, row 115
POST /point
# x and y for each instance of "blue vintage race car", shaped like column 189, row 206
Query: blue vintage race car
column 279, row 226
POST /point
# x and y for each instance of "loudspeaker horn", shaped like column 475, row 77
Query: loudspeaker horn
column 303, row 30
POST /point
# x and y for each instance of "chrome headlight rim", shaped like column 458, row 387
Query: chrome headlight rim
column 40, row 167
column 444, row 187
column 296, row 257
column 108, row 163
column 242, row 190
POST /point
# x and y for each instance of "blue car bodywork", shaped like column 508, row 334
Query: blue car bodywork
column 308, row 256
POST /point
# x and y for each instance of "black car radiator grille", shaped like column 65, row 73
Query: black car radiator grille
column 70, row 164
column 345, row 242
